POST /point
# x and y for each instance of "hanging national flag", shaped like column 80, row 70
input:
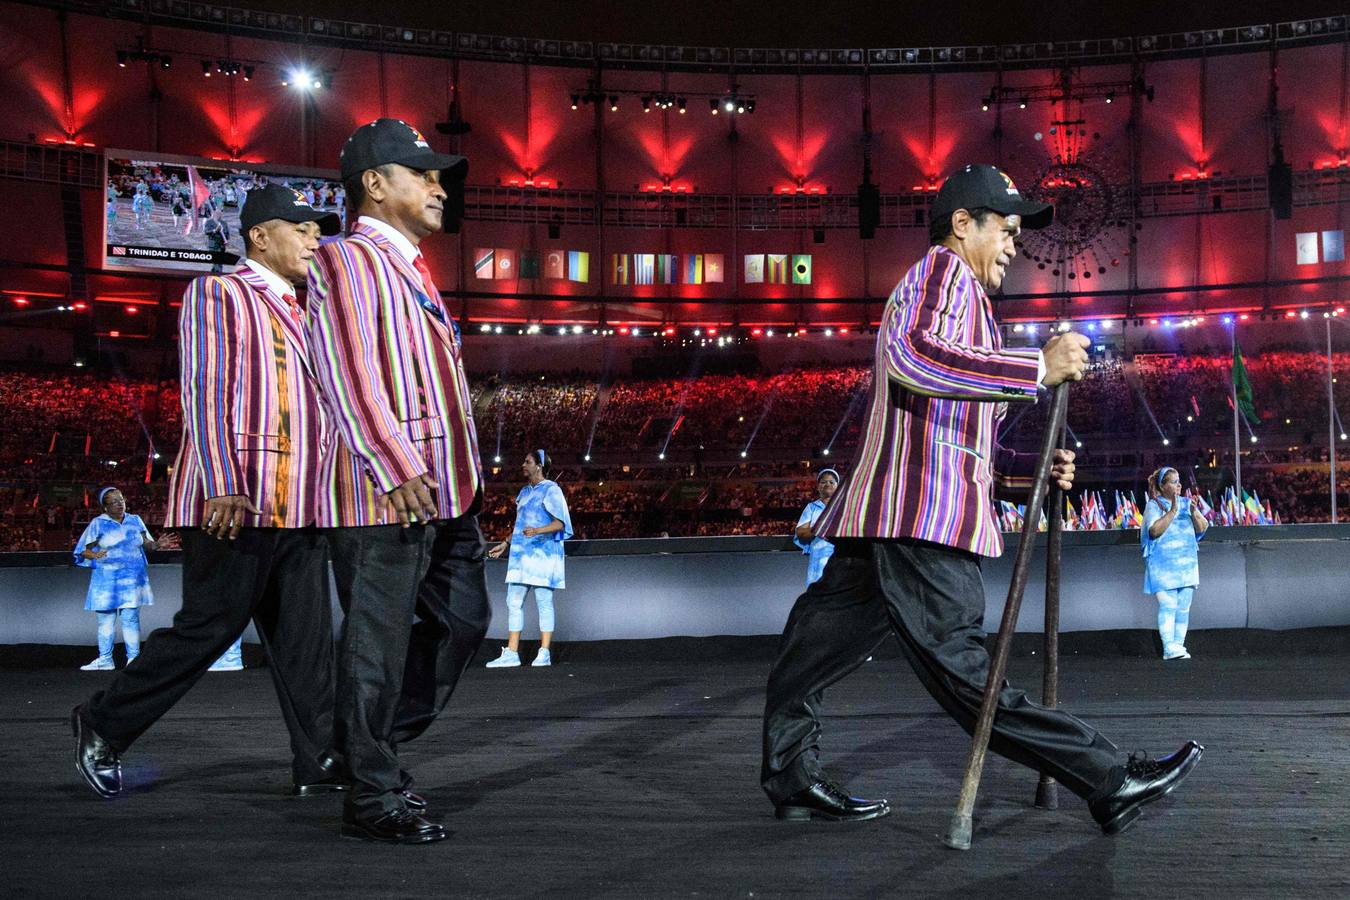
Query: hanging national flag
column 644, row 268
column 578, row 265
column 555, row 264
column 754, row 268
column 529, row 264
column 506, row 263
column 1305, row 248
column 484, row 263
column 201, row 192
column 621, row 265
column 777, row 268
column 713, row 268
column 665, row 268
column 1242, row 386
column 1195, row 405
column 1333, row 246
column 801, row 268
column 693, row 268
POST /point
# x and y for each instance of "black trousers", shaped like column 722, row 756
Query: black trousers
column 931, row 597
column 416, row 609
column 278, row 577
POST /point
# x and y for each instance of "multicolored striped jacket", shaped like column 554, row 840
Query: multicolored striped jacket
column 388, row 359
column 253, row 423
column 929, row 460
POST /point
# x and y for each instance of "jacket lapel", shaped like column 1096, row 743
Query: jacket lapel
column 280, row 310
column 414, row 282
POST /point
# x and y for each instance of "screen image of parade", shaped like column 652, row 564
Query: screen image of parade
column 182, row 213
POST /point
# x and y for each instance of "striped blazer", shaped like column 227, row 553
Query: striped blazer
column 388, row 359
column 928, row 461
column 253, row 423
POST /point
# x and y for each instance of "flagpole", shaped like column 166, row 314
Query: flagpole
column 1237, row 441
column 1331, row 421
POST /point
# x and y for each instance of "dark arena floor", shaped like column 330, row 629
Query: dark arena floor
column 630, row 770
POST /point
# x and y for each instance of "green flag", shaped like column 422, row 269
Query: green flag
column 1242, row 386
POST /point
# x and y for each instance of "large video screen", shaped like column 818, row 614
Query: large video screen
column 181, row 213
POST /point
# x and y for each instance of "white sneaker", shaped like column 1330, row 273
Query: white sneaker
column 1175, row 651
column 102, row 664
column 544, row 658
column 219, row 666
column 509, row 659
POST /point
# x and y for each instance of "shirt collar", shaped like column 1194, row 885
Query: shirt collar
column 274, row 281
column 406, row 248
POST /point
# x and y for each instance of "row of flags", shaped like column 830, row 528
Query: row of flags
column 497, row 263
column 1092, row 514
column 492, row 263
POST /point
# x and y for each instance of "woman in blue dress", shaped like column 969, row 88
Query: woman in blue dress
column 1172, row 529
column 114, row 546
column 536, row 558
column 819, row 549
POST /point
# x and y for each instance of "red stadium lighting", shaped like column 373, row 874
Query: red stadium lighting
column 756, row 331
column 131, row 310
column 843, row 330
column 114, row 334
column 1244, row 317
column 712, row 332
column 623, row 330
column 20, row 301
column 81, row 306
column 1289, row 314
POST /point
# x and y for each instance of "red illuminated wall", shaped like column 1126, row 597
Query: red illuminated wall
column 1208, row 121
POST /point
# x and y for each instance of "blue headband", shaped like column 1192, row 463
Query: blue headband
column 541, row 457
column 824, row 472
column 103, row 493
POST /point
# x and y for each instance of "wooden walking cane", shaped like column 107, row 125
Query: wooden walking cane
column 959, row 831
column 1047, row 792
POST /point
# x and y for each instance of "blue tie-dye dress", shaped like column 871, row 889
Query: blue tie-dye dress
column 1172, row 559
column 820, row 550
column 121, row 579
column 538, row 560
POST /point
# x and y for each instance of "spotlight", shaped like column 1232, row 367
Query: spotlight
column 206, row 69
column 729, row 105
column 825, row 452
column 1253, row 439
column 984, row 106
column 646, row 104
column 122, row 58
column 680, row 104
column 1110, row 98
column 750, row 106
column 1166, row 442
column 1078, row 444
column 613, row 102
column 576, row 100
column 712, row 105
column 165, row 62
column 248, row 73
column 661, row 455
column 740, row 107
column 742, row 454
column 496, row 459
column 1022, row 105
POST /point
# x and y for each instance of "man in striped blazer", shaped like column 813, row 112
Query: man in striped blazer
column 406, row 486
column 245, row 492
column 915, row 515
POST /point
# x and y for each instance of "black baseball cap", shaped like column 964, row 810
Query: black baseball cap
column 395, row 141
column 979, row 185
column 276, row 201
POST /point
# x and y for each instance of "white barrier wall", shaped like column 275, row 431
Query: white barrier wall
column 1275, row 578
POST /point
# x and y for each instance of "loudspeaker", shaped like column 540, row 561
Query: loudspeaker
column 554, row 231
column 1280, row 187
column 869, row 209
column 818, row 235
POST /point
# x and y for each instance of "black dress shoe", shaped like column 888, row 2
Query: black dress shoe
column 331, row 778
column 96, row 762
column 413, row 800
column 401, row 826
column 1146, row 780
column 824, row 800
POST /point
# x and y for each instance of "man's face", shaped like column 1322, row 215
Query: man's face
column 987, row 247
column 287, row 247
column 411, row 200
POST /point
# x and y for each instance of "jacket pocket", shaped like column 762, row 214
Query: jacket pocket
column 276, row 443
column 424, row 429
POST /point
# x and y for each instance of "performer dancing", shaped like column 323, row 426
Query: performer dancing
column 914, row 516
column 819, row 549
column 1172, row 528
column 254, row 437
column 537, row 558
column 408, row 562
column 114, row 546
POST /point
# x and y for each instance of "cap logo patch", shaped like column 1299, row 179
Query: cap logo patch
column 299, row 198
column 418, row 139
column 1011, row 188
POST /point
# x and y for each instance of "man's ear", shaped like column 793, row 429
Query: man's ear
column 961, row 223
column 374, row 183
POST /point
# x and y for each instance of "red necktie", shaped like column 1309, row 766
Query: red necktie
column 420, row 264
column 294, row 305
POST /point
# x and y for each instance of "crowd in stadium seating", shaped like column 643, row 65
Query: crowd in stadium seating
column 67, row 433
